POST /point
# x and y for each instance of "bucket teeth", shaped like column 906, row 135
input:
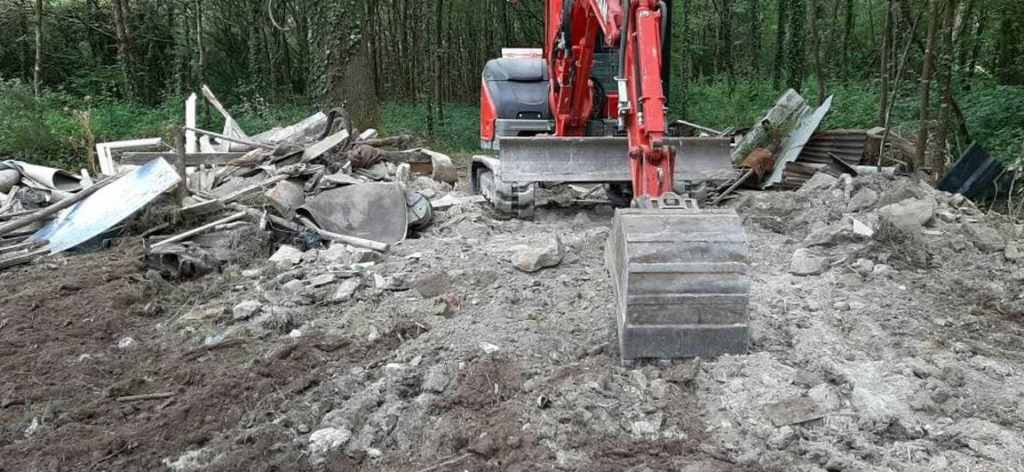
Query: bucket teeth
column 681, row 282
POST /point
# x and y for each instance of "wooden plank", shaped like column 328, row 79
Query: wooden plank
column 23, row 259
column 201, row 229
column 320, row 148
column 202, row 209
column 191, row 159
column 253, row 188
column 191, row 143
column 222, row 137
column 229, row 121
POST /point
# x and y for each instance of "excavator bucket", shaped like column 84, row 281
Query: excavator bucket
column 681, row 283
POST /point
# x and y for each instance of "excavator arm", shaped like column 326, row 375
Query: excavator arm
column 637, row 28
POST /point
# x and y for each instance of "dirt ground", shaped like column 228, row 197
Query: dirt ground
column 447, row 358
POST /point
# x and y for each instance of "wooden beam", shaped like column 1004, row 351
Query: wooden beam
column 222, row 137
column 191, row 159
column 201, row 229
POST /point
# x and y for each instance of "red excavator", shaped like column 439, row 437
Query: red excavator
column 590, row 108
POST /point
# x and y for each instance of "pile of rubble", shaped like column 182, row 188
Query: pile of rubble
column 317, row 182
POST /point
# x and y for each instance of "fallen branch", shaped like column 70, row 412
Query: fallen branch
column 52, row 209
column 148, row 396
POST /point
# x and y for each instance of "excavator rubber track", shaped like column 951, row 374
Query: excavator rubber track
column 681, row 283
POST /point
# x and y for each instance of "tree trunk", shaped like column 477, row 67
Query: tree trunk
column 883, row 105
column 819, row 70
column 926, row 84
column 124, row 53
column 686, row 64
column 200, row 46
column 755, row 37
column 438, row 57
column 976, row 50
column 38, row 69
column 848, row 37
column 797, row 49
column 945, row 70
column 780, row 45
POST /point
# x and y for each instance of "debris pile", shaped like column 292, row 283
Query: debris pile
column 317, row 182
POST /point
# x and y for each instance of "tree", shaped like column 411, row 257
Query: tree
column 124, row 50
column 926, row 84
column 797, row 48
column 819, row 70
column 884, row 60
column 780, row 42
column 37, row 70
column 945, row 70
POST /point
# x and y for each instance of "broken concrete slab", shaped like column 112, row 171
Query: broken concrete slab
column 793, row 411
column 806, row 263
column 865, row 199
column 287, row 256
column 909, row 215
column 346, row 290
column 246, row 310
column 533, row 259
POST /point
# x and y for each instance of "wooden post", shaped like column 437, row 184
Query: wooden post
column 179, row 146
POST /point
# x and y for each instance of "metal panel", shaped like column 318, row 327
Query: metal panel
column 602, row 159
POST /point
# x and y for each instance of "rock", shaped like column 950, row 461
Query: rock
column 441, row 306
column 882, row 270
column 660, row 388
column 956, row 201
column 246, row 310
column 338, row 254
column 285, row 277
column 826, row 397
column 910, row 214
column 984, row 237
column 862, row 230
column 820, row 181
column 581, row 219
column 533, row 259
column 287, row 256
column 864, row 267
column 397, row 369
column 433, row 286
column 346, row 290
column 841, row 306
column 294, row 287
column 862, row 200
column 807, row 263
column 436, row 380
column 252, row 273
column 846, row 230
column 275, row 320
column 127, row 343
column 320, row 281
column 324, row 441
column 946, row 216
column 795, row 410
column 489, row 348
column 1013, row 252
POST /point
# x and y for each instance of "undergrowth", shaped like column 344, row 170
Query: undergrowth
column 59, row 128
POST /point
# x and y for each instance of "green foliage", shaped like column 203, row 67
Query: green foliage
column 995, row 117
column 460, row 131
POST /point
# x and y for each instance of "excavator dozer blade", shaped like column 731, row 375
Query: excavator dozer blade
column 681, row 283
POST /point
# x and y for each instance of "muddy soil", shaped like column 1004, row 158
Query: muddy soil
column 448, row 358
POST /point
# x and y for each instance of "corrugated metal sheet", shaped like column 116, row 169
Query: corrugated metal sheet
column 847, row 145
